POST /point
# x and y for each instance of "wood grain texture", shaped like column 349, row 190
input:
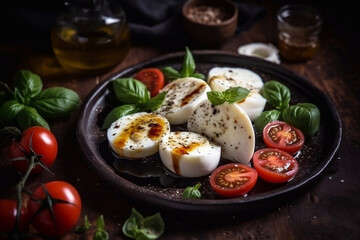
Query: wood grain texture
column 329, row 209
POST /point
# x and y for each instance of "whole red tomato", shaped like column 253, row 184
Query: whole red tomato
column 8, row 210
column 153, row 78
column 37, row 141
column 65, row 207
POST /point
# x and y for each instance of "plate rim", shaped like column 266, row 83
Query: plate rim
column 207, row 206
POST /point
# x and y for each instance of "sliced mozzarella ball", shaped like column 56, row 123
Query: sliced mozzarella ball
column 137, row 135
column 228, row 126
column 222, row 78
column 253, row 105
column 182, row 97
column 189, row 154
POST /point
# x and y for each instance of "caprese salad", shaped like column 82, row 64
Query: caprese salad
column 221, row 113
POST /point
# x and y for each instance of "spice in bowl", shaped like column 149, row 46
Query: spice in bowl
column 210, row 23
column 207, row 14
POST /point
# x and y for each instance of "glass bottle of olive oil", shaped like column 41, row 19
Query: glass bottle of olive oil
column 91, row 37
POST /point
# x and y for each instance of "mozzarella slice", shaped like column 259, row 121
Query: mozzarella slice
column 227, row 125
column 253, row 105
column 222, row 78
column 182, row 97
column 189, row 154
column 137, row 135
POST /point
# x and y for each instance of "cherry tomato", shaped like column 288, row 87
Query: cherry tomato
column 8, row 210
column 233, row 179
column 153, row 78
column 66, row 208
column 283, row 136
column 274, row 165
column 43, row 143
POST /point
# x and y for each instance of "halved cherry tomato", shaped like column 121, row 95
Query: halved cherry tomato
column 153, row 78
column 65, row 206
column 233, row 179
column 8, row 211
column 34, row 141
column 283, row 136
column 274, row 165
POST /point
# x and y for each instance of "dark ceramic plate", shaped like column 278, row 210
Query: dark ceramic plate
column 148, row 182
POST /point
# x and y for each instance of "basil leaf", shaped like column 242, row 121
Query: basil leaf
column 155, row 102
column 28, row 117
column 129, row 90
column 170, row 73
column 235, row 94
column 215, row 97
column 132, row 224
column 198, row 75
column 192, row 192
column 27, row 85
column 86, row 226
column 305, row 116
column 100, row 233
column 188, row 66
column 231, row 95
column 277, row 94
column 153, row 227
column 55, row 102
column 140, row 228
column 117, row 113
column 9, row 111
column 266, row 117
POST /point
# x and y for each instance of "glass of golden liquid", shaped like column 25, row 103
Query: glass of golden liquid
column 299, row 27
column 91, row 37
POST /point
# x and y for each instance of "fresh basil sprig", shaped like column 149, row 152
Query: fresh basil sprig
column 192, row 192
column 266, row 117
column 100, row 233
column 29, row 105
column 136, row 97
column 231, row 95
column 277, row 94
column 187, row 70
column 140, row 228
column 305, row 116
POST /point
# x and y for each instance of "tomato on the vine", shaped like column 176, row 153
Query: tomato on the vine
column 8, row 211
column 59, row 217
column 233, row 179
column 274, row 165
column 153, row 78
column 283, row 136
column 37, row 141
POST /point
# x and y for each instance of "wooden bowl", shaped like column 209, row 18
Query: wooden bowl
column 210, row 22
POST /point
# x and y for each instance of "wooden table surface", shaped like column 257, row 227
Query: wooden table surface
column 328, row 209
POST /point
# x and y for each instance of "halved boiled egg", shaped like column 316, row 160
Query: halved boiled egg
column 183, row 96
column 137, row 135
column 227, row 125
column 222, row 78
column 189, row 154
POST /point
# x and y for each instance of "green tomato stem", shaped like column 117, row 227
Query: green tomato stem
column 20, row 186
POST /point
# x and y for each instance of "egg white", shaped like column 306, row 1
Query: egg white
column 189, row 154
column 182, row 97
column 137, row 135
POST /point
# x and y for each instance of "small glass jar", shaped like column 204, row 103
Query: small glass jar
column 91, row 37
column 299, row 27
